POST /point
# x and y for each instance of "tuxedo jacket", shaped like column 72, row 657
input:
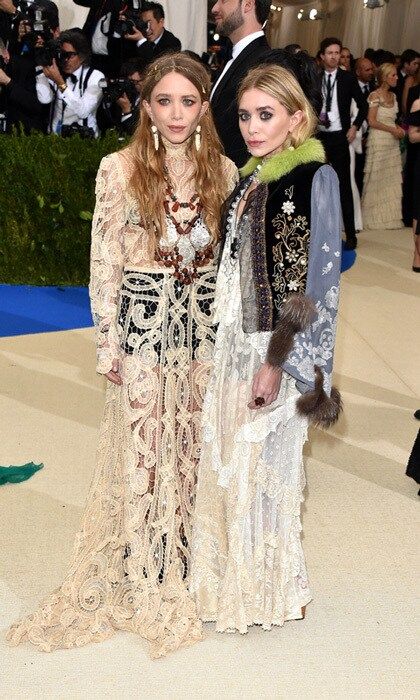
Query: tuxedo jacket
column 348, row 88
column 224, row 102
column 148, row 51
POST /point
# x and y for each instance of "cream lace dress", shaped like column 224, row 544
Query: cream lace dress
column 131, row 557
column 381, row 203
column 248, row 565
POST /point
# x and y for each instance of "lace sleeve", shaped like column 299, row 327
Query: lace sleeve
column 107, row 261
column 231, row 173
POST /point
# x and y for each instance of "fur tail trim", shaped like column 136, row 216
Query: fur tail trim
column 320, row 409
column 295, row 315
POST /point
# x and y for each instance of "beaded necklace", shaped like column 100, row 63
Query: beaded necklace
column 192, row 249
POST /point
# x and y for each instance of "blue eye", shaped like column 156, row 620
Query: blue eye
column 265, row 116
column 163, row 101
column 188, row 102
column 243, row 116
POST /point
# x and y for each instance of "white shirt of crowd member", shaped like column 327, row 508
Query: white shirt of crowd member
column 75, row 99
column 331, row 60
column 100, row 36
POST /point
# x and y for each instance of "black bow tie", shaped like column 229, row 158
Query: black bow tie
column 72, row 77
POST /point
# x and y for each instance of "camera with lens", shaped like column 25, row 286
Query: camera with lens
column 114, row 89
column 38, row 27
column 131, row 20
column 75, row 129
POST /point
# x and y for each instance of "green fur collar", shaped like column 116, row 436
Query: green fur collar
column 282, row 163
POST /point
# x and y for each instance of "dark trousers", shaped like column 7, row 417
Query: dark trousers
column 338, row 155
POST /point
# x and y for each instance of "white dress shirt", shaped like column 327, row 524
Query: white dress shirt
column 73, row 104
column 237, row 49
column 100, row 36
column 333, row 114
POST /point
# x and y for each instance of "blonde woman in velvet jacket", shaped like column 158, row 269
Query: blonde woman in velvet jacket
column 276, row 303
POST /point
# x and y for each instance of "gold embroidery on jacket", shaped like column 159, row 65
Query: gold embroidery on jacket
column 290, row 254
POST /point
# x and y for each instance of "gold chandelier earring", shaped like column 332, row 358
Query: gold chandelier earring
column 155, row 136
column 198, row 137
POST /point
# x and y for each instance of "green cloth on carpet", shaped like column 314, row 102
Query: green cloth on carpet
column 14, row 475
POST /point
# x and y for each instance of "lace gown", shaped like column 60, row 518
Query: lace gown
column 248, row 565
column 131, row 558
column 381, row 203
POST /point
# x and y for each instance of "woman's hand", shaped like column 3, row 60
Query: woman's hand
column 266, row 385
column 398, row 133
column 114, row 375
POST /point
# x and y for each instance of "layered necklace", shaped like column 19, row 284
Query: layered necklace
column 187, row 244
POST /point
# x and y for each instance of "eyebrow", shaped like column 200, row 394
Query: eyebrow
column 164, row 94
column 259, row 109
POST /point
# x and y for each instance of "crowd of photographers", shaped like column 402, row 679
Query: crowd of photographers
column 83, row 80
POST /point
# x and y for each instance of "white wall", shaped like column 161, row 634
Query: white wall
column 394, row 26
column 187, row 19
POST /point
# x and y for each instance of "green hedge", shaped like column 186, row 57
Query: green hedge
column 47, row 198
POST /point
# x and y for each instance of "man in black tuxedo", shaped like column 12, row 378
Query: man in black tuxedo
column 336, row 131
column 364, row 70
column 242, row 21
column 157, row 40
column 410, row 61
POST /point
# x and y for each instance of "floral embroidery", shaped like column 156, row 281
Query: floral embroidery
column 288, row 207
column 291, row 252
column 327, row 268
column 326, row 247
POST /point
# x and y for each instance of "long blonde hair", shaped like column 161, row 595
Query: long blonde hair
column 283, row 86
column 148, row 178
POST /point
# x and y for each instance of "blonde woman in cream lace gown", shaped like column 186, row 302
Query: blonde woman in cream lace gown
column 152, row 305
column 382, row 185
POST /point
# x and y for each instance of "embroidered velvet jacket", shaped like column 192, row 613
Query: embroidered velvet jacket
column 290, row 268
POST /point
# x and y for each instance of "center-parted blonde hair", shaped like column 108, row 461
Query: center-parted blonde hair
column 283, row 86
column 148, row 178
column 383, row 71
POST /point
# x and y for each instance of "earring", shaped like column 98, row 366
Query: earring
column 198, row 137
column 155, row 136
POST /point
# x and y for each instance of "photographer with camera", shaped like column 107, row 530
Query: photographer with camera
column 71, row 87
column 34, row 24
column 154, row 40
column 121, row 99
column 99, row 30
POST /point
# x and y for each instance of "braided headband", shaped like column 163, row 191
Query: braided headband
column 158, row 74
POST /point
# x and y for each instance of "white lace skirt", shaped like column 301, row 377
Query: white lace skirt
column 247, row 559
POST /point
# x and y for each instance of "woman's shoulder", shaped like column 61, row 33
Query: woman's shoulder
column 230, row 171
column 374, row 98
column 416, row 105
column 119, row 163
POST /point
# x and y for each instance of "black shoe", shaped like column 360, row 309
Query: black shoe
column 417, row 414
column 416, row 269
column 350, row 243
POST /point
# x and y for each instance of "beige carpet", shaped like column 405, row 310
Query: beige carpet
column 359, row 637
